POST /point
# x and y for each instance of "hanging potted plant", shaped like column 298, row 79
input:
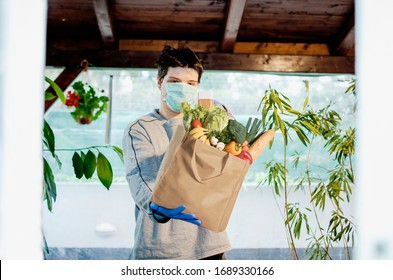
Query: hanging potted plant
column 88, row 106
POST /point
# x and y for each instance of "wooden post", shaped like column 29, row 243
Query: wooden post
column 373, row 132
column 22, row 62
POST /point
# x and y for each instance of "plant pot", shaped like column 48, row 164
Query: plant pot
column 85, row 120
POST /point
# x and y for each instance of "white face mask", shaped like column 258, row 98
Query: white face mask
column 177, row 93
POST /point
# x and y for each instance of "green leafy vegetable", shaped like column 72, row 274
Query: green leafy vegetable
column 198, row 113
column 224, row 136
column 253, row 127
column 217, row 119
column 237, row 130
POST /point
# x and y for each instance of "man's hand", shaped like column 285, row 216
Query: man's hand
column 175, row 213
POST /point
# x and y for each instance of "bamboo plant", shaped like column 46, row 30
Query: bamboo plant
column 306, row 125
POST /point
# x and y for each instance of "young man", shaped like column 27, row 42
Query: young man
column 162, row 233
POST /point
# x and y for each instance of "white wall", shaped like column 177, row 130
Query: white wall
column 374, row 60
column 22, row 60
column 255, row 220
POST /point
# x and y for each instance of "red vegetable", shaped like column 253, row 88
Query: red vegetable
column 246, row 156
column 196, row 123
column 245, row 145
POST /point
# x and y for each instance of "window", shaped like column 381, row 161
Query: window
column 135, row 93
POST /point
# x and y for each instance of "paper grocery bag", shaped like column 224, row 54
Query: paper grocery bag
column 201, row 177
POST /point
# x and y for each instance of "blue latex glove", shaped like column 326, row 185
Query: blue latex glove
column 175, row 213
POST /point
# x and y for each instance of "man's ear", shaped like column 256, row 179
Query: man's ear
column 159, row 83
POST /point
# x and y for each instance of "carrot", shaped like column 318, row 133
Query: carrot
column 260, row 143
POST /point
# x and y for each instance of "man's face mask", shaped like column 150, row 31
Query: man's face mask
column 177, row 93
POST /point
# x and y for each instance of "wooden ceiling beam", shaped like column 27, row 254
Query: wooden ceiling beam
column 234, row 16
column 344, row 41
column 158, row 45
column 211, row 61
column 104, row 21
column 213, row 47
column 281, row 48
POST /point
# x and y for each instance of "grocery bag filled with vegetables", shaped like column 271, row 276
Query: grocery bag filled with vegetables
column 206, row 163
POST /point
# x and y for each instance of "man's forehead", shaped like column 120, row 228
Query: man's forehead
column 182, row 72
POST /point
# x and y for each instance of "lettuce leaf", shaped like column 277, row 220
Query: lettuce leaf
column 217, row 119
column 198, row 113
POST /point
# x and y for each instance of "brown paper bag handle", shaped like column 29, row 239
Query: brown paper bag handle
column 194, row 164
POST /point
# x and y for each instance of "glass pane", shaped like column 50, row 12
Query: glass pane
column 53, row 72
column 135, row 93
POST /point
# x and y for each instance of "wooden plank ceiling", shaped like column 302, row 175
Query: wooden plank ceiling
column 307, row 36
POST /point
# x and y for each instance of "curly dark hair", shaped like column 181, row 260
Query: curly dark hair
column 174, row 57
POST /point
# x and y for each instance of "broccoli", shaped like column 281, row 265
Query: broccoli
column 237, row 130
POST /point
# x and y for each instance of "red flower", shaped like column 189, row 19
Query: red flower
column 72, row 99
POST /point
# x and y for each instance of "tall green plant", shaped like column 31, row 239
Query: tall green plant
column 305, row 126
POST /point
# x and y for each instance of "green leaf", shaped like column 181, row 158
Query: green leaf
column 89, row 164
column 282, row 129
column 291, row 216
column 277, row 100
column 77, row 163
column 104, row 170
column 46, row 247
column 302, row 136
column 305, row 103
column 49, row 95
column 293, row 112
column 49, row 191
column 48, row 138
column 307, row 85
column 119, row 152
column 57, row 89
column 285, row 104
column 297, row 228
column 309, row 127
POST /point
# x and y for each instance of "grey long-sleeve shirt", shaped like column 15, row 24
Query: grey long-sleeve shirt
column 144, row 144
